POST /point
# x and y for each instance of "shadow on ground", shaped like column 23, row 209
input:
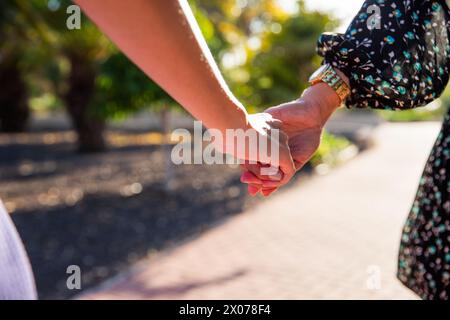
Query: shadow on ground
column 103, row 233
column 104, row 229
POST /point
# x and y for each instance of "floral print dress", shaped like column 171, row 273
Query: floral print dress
column 397, row 56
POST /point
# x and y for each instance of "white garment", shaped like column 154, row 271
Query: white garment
column 16, row 277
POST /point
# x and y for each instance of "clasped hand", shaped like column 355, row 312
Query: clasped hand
column 302, row 122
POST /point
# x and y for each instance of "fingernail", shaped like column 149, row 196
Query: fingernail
column 245, row 177
column 268, row 192
column 252, row 190
column 270, row 184
column 276, row 177
column 269, row 171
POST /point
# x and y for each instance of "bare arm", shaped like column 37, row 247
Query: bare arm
column 163, row 39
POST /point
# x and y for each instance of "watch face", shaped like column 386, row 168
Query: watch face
column 317, row 72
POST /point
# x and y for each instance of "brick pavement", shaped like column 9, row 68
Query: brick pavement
column 331, row 237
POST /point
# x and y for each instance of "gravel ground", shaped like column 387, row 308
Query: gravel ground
column 106, row 211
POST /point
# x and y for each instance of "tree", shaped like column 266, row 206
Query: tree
column 93, row 79
column 68, row 59
column 276, row 69
column 95, row 82
column 14, row 110
column 280, row 71
column 122, row 88
column 74, row 60
column 275, row 49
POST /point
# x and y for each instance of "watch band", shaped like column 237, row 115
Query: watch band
column 328, row 75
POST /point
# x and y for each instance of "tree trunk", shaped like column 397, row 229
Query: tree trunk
column 88, row 126
column 167, row 149
column 14, row 111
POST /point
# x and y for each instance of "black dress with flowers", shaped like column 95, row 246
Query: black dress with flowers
column 396, row 54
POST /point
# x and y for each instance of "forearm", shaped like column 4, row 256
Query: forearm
column 323, row 98
column 162, row 38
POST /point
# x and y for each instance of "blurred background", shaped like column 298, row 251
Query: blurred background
column 85, row 135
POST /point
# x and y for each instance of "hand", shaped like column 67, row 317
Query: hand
column 303, row 121
column 281, row 168
column 274, row 161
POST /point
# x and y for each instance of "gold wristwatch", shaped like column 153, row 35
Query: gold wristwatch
column 328, row 75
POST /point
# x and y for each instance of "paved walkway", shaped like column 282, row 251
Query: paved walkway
column 333, row 237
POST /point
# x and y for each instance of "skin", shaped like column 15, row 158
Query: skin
column 163, row 39
column 303, row 121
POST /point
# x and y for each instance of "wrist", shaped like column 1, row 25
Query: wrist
column 343, row 76
column 334, row 78
column 323, row 99
column 233, row 116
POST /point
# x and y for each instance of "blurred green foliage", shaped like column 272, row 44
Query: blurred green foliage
column 330, row 150
column 279, row 71
column 122, row 88
column 265, row 53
